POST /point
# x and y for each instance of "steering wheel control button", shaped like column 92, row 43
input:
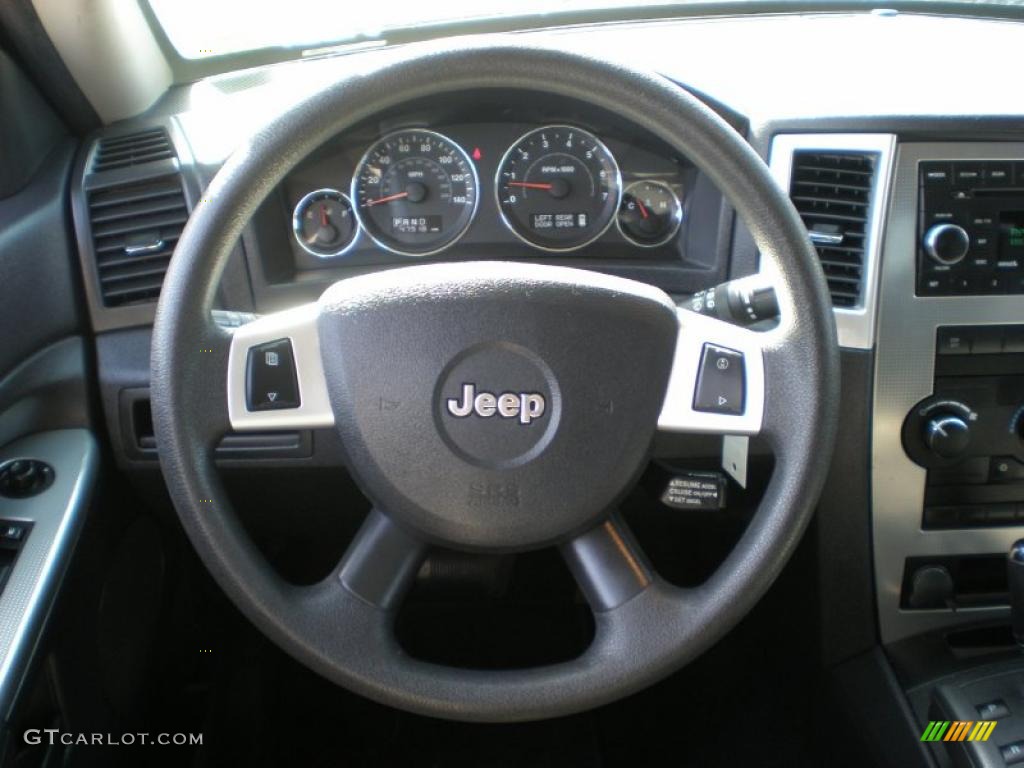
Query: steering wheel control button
column 22, row 478
column 720, row 382
column 270, row 381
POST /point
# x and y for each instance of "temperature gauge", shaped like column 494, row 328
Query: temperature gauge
column 325, row 224
column 650, row 213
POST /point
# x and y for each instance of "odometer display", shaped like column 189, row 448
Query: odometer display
column 415, row 192
column 558, row 188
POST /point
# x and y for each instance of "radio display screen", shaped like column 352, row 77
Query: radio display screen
column 1011, row 235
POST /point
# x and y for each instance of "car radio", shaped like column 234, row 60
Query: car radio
column 970, row 228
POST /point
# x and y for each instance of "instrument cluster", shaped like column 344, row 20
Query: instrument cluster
column 557, row 188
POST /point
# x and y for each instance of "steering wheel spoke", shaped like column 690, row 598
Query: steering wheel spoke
column 717, row 385
column 381, row 562
column 275, row 373
column 608, row 565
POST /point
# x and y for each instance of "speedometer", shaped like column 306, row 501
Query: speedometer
column 415, row 192
column 558, row 188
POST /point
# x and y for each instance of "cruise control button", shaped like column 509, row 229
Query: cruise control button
column 720, row 381
column 271, row 383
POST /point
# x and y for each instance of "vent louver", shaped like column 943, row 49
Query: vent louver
column 832, row 193
column 135, row 227
column 132, row 149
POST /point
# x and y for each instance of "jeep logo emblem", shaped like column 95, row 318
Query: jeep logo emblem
column 526, row 406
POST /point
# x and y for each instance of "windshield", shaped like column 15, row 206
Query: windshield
column 205, row 28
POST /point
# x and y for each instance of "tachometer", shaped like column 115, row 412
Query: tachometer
column 415, row 192
column 558, row 188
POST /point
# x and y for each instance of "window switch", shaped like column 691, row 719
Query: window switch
column 1013, row 753
column 993, row 710
column 720, row 381
column 270, row 382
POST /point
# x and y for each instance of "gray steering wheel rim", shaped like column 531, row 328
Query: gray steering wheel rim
column 349, row 641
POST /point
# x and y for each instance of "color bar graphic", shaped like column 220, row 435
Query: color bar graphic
column 959, row 730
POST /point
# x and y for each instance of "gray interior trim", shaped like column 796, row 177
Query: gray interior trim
column 95, row 39
column 856, row 325
column 56, row 516
column 904, row 374
column 47, row 391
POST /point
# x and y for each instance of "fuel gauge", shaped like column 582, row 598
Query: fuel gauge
column 324, row 223
column 650, row 213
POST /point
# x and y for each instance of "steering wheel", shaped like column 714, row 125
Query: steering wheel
column 579, row 370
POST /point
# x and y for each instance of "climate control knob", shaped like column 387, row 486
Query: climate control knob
column 947, row 435
column 947, row 243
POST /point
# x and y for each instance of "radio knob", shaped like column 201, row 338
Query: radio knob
column 947, row 243
column 947, row 435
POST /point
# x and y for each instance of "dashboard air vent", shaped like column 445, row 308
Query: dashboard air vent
column 132, row 149
column 135, row 227
column 832, row 193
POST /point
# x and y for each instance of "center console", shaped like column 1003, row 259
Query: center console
column 947, row 444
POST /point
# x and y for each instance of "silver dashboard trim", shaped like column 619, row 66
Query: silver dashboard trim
column 904, row 374
column 856, row 325
column 56, row 515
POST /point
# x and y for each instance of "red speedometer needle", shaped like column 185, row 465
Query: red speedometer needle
column 388, row 199
column 529, row 185
column 643, row 211
column 323, row 215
